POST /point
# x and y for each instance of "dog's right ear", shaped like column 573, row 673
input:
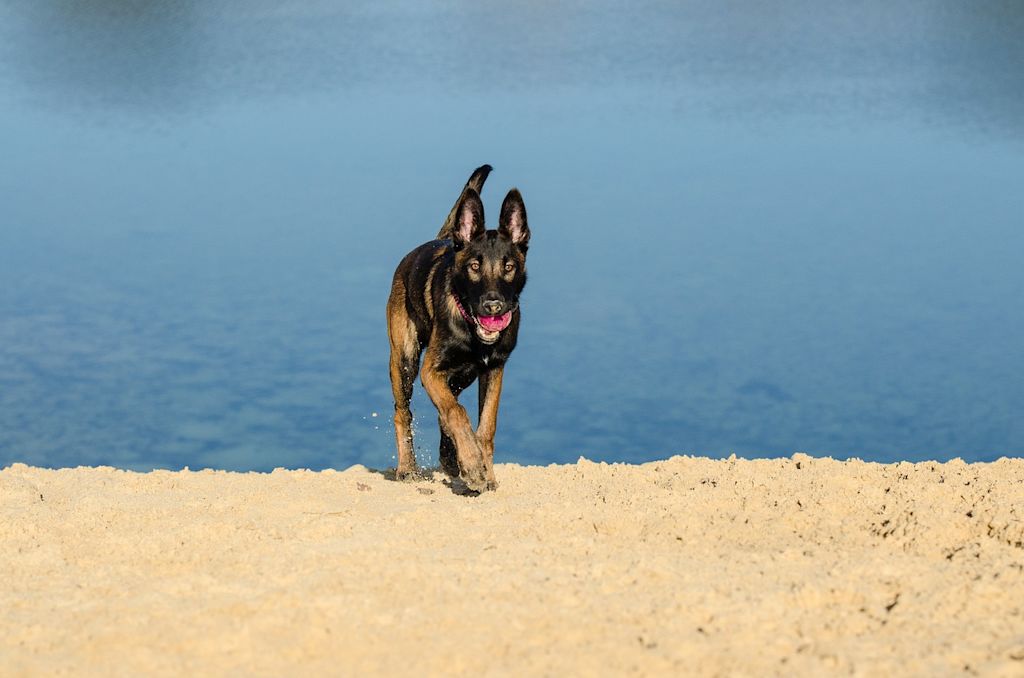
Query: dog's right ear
column 469, row 219
column 512, row 220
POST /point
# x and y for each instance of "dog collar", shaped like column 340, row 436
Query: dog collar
column 465, row 314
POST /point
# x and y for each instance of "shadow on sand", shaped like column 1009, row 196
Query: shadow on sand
column 432, row 475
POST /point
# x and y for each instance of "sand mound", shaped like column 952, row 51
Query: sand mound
column 791, row 566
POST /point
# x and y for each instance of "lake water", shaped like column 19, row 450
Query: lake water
column 758, row 228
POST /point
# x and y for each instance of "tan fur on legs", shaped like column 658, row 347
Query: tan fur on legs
column 404, row 364
column 455, row 422
column 490, row 396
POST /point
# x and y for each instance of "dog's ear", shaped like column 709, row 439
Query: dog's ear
column 476, row 182
column 512, row 222
column 469, row 218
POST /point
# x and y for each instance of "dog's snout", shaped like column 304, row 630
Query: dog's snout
column 492, row 304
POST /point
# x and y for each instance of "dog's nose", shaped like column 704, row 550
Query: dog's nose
column 493, row 307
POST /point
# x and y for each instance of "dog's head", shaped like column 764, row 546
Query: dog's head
column 490, row 266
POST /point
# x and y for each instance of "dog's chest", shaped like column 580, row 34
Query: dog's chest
column 475, row 358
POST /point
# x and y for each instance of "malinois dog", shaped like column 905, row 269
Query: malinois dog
column 456, row 298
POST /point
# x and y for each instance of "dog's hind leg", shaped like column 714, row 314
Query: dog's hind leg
column 446, row 453
column 403, row 371
column 405, row 359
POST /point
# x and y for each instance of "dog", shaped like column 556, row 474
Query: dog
column 455, row 302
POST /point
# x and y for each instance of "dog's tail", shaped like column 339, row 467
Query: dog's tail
column 476, row 182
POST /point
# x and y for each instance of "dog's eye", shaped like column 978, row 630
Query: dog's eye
column 509, row 267
column 474, row 266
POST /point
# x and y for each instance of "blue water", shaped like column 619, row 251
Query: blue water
column 758, row 228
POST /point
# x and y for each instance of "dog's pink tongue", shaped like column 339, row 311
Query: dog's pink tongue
column 494, row 323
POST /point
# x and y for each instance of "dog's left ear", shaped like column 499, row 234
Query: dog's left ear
column 512, row 222
column 469, row 218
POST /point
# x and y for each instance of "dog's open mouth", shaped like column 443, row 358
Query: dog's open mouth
column 488, row 327
column 494, row 323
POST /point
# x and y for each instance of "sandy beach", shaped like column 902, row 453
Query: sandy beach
column 794, row 566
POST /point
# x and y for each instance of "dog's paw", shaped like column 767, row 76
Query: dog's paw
column 406, row 475
column 492, row 482
column 475, row 481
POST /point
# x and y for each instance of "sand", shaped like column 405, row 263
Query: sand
column 776, row 567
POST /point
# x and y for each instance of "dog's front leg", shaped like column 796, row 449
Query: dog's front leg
column 490, row 395
column 456, row 424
